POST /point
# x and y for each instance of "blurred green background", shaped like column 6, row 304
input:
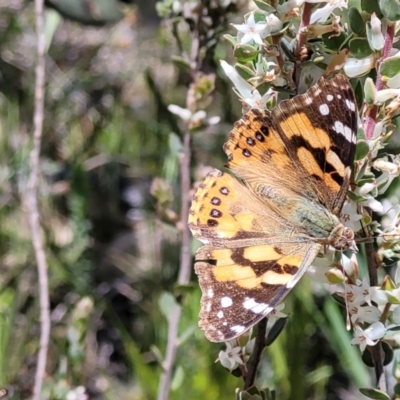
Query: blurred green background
column 112, row 261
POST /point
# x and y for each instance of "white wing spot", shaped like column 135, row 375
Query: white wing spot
column 220, row 314
column 226, row 302
column 238, row 329
column 338, row 127
column 345, row 131
column 308, row 100
column 225, row 323
column 324, row 109
column 339, row 96
column 258, row 308
column 329, row 97
column 317, row 92
column 208, row 306
column 210, row 293
column 350, row 105
column 348, row 133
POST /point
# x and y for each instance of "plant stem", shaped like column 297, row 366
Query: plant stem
column 259, row 346
column 184, row 272
column 32, row 203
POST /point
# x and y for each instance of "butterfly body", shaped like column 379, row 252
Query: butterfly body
column 262, row 232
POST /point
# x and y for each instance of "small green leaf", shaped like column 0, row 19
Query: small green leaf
column 263, row 5
column 369, row 91
column 181, row 63
column 175, row 144
column 359, row 48
column 356, row 22
column 375, row 40
column 390, row 67
column 362, row 150
column 375, row 394
column 388, row 350
column 245, row 52
column 275, row 331
column 371, row 7
column 177, row 380
column 396, row 389
column 167, row 304
column 334, row 43
column 231, row 39
column 244, row 71
column 390, row 9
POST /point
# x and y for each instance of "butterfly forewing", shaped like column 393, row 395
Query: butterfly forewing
column 261, row 236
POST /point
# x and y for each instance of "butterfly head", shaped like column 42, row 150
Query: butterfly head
column 342, row 238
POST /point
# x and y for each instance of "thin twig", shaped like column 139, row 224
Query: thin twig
column 32, row 203
column 184, row 273
column 302, row 39
column 259, row 346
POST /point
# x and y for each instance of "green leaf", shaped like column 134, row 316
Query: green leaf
column 371, row 7
column 356, row 22
column 390, row 67
column 177, row 380
column 244, row 71
column 231, row 39
column 362, row 150
column 374, row 394
column 275, row 331
column 245, row 52
column 181, row 63
column 375, row 41
column 167, row 304
column 359, row 48
column 369, row 91
column 175, row 144
column 334, row 43
column 388, row 350
column 390, row 9
column 263, row 5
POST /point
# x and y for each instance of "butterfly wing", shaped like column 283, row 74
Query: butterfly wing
column 308, row 141
column 251, row 259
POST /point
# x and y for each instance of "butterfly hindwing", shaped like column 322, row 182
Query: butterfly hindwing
column 248, row 264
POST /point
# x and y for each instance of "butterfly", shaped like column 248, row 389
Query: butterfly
column 262, row 229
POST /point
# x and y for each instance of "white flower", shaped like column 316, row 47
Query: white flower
column 363, row 314
column 274, row 23
column 373, row 204
column 369, row 336
column 289, row 6
column 322, row 14
column 396, row 315
column 258, row 101
column 79, row 393
column 274, row 315
column 243, row 87
column 231, row 357
column 386, row 94
column 252, row 30
column 355, row 67
column 366, row 188
column 250, row 95
column 377, row 40
column 362, row 292
column 350, row 217
column 187, row 115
